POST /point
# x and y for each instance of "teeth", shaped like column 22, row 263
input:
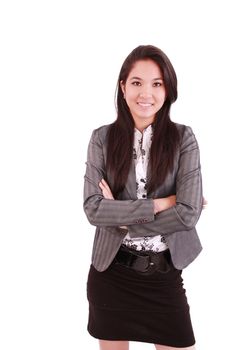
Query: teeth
column 145, row 104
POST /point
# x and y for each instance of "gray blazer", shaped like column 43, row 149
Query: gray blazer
column 177, row 224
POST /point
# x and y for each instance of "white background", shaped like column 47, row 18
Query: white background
column 59, row 66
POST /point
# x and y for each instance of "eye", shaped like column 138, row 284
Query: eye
column 136, row 83
column 157, row 84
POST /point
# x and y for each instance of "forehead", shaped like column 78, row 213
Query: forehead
column 145, row 69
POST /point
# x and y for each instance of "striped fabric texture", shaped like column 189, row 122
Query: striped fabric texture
column 177, row 224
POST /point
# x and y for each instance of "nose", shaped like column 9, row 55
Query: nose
column 146, row 91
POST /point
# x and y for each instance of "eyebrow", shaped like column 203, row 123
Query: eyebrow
column 137, row 78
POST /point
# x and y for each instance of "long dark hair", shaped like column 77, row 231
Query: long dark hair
column 121, row 132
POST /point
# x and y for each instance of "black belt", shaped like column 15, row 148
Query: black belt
column 145, row 262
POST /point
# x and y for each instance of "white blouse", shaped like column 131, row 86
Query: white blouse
column 141, row 152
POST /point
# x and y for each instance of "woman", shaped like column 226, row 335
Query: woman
column 143, row 192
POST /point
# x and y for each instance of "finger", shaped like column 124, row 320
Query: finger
column 205, row 201
column 107, row 195
column 105, row 184
column 106, row 191
column 102, row 185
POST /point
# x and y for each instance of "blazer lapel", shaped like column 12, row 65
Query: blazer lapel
column 153, row 194
column 130, row 185
column 166, row 188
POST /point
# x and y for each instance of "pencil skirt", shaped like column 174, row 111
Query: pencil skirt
column 127, row 305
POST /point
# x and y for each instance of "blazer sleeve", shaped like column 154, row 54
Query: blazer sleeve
column 189, row 197
column 107, row 212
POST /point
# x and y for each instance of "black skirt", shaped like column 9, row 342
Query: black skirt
column 126, row 305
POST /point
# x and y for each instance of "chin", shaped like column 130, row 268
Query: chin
column 147, row 116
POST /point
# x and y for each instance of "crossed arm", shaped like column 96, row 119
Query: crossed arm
column 145, row 216
column 160, row 204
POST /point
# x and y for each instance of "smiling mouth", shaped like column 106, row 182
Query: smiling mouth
column 145, row 104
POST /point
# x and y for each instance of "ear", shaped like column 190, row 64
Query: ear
column 122, row 87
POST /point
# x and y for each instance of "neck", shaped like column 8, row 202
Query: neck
column 143, row 125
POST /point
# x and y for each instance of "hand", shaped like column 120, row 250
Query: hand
column 161, row 204
column 204, row 203
column 106, row 191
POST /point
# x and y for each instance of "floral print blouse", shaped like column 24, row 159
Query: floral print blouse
column 141, row 151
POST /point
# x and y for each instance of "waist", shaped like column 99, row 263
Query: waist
column 157, row 243
column 145, row 262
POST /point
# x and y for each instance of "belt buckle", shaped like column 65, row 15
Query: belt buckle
column 151, row 266
column 145, row 263
column 141, row 263
column 156, row 262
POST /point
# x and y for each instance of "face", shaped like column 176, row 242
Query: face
column 144, row 92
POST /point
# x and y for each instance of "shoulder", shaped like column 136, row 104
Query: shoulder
column 100, row 133
column 183, row 128
column 186, row 133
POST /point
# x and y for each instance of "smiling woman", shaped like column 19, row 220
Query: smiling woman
column 144, row 92
column 143, row 192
